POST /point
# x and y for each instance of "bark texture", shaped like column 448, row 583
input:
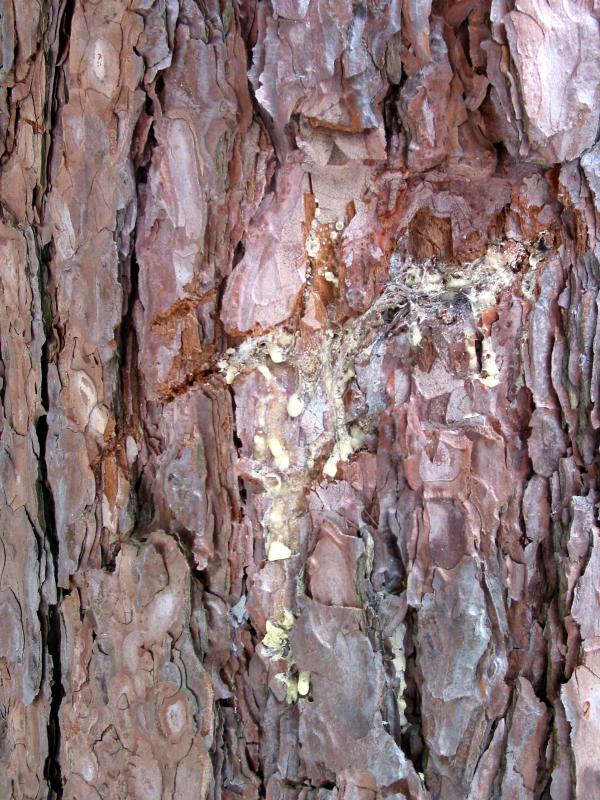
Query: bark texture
column 299, row 398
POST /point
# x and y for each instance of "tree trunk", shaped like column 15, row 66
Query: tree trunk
column 299, row 400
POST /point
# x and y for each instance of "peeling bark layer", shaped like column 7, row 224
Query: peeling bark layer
column 299, row 341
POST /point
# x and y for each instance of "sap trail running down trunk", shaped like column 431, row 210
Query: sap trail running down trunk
column 299, row 400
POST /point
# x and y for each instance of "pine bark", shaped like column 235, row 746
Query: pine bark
column 299, row 400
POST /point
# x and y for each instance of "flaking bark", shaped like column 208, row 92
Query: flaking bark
column 299, row 342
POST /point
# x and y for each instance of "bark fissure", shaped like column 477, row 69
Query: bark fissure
column 52, row 621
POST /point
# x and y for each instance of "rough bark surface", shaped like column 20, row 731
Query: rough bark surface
column 299, row 399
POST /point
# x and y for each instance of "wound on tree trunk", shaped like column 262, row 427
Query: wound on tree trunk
column 299, row 400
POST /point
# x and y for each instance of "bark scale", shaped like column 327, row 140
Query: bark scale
column 299, row 340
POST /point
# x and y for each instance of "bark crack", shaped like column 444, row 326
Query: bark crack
column 52, row 623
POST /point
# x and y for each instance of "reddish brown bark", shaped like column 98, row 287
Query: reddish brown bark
column 299, row 339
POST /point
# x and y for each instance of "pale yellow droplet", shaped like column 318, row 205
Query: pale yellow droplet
column 278, row 551
column 276, row 353
column 260, row 445
column 281, row 458
column 303, row 683
column 282, row 462
column 275, row 446
column 295, row 405
column 312, row 246
column 330, row 468
column 291, row 694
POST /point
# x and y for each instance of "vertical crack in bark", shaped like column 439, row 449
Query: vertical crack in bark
column 52, row 626
column 130, row 384
column 56, row 41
